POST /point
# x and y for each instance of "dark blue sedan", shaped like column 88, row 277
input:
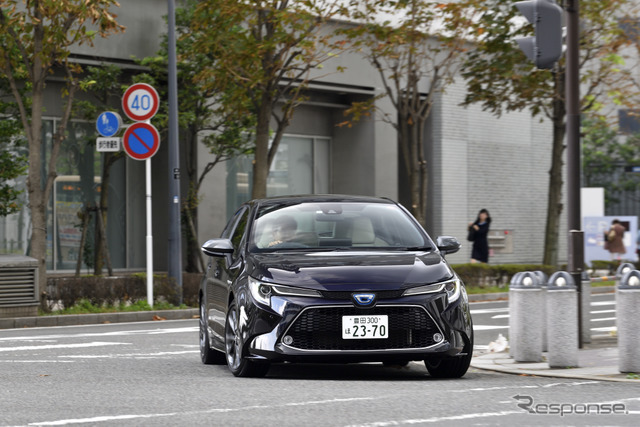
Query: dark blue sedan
column 331, row 279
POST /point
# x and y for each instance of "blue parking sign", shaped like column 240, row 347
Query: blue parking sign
column 108, row 123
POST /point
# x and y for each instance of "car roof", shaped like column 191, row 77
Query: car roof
column 312, row 198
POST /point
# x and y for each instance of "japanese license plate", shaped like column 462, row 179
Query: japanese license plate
column 365, row 327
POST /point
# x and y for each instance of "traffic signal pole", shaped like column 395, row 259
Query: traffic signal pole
column 574, row 218
column 175, row 238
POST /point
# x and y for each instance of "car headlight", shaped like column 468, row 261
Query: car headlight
column 451, row 287
column 262, row 292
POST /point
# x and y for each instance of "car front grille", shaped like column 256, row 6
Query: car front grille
column 320, row 328
column 346, row 296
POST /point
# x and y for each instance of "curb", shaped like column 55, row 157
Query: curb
column 98, row 318
column 479, row 362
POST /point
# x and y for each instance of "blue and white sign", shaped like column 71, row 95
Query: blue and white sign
column 108, row 123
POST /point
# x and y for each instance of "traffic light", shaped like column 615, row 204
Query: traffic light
column 545, row 47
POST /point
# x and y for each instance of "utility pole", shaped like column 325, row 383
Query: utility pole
column 574, row 218
column 175, row 238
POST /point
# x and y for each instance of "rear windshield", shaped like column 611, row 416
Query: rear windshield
column 335, row 225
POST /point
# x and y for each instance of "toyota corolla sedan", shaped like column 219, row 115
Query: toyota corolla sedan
column 331, row 279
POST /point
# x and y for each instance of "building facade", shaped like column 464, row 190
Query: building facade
column 476, row 160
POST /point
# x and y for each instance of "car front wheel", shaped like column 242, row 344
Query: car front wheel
column 208, row 355
column 454, row 367
column 238, row 365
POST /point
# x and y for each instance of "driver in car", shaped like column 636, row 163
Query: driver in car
column 283, row 229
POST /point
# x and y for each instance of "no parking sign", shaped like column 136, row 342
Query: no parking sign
column 141, row 141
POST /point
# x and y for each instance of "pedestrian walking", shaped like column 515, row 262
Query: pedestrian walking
column 477, row 233
column 613, row 241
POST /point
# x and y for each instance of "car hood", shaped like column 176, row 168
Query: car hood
column 350, row 270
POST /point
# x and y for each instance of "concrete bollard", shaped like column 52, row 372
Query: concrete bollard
column 512, row 318
column 525, row 305
column 543, row 279
column 628, row 321
column 585, row 307
column 562, row 321
column 623, row 268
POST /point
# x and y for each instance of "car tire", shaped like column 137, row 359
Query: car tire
column 208, row 355
column 454, row 367
column 237, row 363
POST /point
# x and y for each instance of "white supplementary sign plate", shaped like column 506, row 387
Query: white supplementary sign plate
column 365, row 327
column 108, row 144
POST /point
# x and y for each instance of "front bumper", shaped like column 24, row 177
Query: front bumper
column 420, row 327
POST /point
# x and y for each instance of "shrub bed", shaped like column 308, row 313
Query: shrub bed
column 64, row 292
column 489, row 276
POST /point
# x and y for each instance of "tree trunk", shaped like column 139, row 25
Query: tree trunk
column 554, row 203
column 35, row 188
column 261, row 156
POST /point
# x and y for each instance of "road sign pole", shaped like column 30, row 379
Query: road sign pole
column 175, row 239
column 149, row 234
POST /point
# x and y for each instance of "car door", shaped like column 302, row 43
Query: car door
column 222, row 273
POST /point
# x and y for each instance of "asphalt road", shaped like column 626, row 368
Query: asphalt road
column 151, row 374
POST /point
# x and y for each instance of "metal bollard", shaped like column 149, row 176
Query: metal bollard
column 585, row 301
column 562, row 321
column 512, row 324
column 628, row 319
column 525, row 314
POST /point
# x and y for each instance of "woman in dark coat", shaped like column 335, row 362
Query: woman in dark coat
column 478, row 234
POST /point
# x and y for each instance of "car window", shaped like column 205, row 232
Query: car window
column 238, row 232
column 335, row 225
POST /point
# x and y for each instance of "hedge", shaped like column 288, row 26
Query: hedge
column 64, row 292
column 488, row 275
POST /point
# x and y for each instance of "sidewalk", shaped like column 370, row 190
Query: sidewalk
column 597, row 360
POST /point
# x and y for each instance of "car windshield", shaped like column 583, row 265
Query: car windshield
column 327, row 225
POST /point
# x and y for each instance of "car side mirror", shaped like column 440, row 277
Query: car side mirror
column 448, row 244
column 217, row 247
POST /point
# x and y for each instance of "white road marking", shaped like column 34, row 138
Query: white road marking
column 501, row 316
column 606, row 329
column 104, row 334
column 491, row 310
column 603, row 311
column 488, row 327
column 130, row 355
column 604, row 319
column 571, row 384
column 52, row 346
column 36, row 361
column 107, row 418
column 601, row 303
column 437, row 419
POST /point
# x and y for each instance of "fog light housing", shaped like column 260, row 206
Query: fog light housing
column 287, row 340
column 437, row 337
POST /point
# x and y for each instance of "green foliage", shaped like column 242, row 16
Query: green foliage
column 501, row 78
column 604, row 156
column 486, row 276
column 119, row 293
column 259, row 57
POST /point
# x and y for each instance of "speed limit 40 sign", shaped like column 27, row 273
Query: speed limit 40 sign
column 140, row 102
